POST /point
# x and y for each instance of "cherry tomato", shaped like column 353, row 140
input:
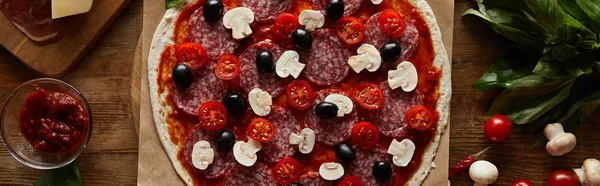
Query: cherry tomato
column 351, row 181
column 284, row 26
column 212, row 115
column 392, row 22
column 497, row 128
column 261, row 130
column 563, row 178
column 192, row 54
column 367, row 95
column 228, row 67
column 287, row 171
column 419, row 118
column 522, row 182
column 350, row 29
column 300, row 94
column 365, row 134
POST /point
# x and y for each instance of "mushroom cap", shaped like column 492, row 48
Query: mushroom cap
column 483, row 172
column 591, row 169
column 561, row 145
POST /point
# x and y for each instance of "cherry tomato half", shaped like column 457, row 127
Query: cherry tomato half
column 365, row 134
column 192, row 54
column 350, row 29
column 563, row 178
column 351, row 181
column 300, row 94
column 392, row 22
column 287, row 171
column 367, row 95
column 522, row 182
column 261, row 130
column 212, row 115
column 228, row 67
column 284, row 26
column 497, row 128
column 419, row 118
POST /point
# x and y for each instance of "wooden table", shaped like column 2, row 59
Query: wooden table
column 476, row 47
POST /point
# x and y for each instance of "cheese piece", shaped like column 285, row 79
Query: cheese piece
column 305, row 141
column 239, row 20
column 64, row 8
column 376, row 2
column 245, row 152
column 404, row 76
column 289, row 64
column 202, row 155
column 368, row 58
column 311, row 20
column 331, row 171
column 343, row 103
column 260, row 102
column 402, row 152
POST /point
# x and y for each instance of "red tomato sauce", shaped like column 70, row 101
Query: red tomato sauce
column 53, row 122
column 428, row 88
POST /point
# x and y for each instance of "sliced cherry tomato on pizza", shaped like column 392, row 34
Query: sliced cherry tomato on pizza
column 212, row 115
column 392, row 22
column 419, row 118
column 300, row 94
column 350, row 29
column 192, row 54
column 368, row 95
column 351, row 181
column 284, row 26
column 286, row 171
column 261, row 130
column 365, row 134
column 228, row 67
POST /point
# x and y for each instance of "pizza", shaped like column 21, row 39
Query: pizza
column 300, row 92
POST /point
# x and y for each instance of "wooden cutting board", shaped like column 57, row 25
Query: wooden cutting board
column 53, row 58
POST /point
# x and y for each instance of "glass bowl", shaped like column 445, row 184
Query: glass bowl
column 16, row 143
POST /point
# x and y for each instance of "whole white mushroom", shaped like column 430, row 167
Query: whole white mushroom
column 561, row 142
column 589, row 173
column 483, row 173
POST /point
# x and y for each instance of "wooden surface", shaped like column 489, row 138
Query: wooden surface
column 50, row 57
column 103, row 76
column 476, row 47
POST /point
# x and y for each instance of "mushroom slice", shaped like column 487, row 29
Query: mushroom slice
column 589, row 173
column 376, row 2
column 331, row 171
column 311, row 20
column 239, row 20
column 343, row 103
column 289, row 64
column 368, row 58
column 404, row 76
column 402, row 152
column 483, row 173
column 305, row 141
column 202, row 155
column 260, row 102
column 245, row 152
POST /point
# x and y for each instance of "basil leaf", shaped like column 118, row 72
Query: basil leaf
column 501, row 74
column 584, row 107
column 171, row 3
column 549, row 68
column 547, row 12
column 571, row 7
column 576, row 34
column 68, row 175
column 530, row 97
column 539, row 140
column 592, row 9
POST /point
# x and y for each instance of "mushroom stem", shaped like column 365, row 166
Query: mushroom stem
column 552, row 131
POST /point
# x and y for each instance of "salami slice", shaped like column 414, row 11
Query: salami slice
column 214, row 37
column 330, row 131
column 257, row 175
column 222, row 163
column 362, row 166
column 265, row 10
column 249, row 76
column 390, row 117
column 205, row 87
column 326, row 60
column 313, row 179
column 409, row 40
column 350, row 6
column 279, row 147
